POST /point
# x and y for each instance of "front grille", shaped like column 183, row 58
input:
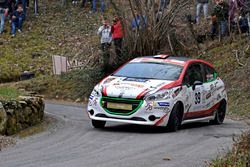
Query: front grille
column 132, row 119
column 132, row 103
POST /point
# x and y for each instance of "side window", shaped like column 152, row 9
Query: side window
column 193, row 73
column 210, row 73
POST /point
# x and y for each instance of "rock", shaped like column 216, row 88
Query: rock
column 78, row 100
column 17, row 115
column 3, row 119
column 11, row 127
column 167, row 158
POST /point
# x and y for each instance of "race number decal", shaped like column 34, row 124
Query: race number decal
column 197, row 97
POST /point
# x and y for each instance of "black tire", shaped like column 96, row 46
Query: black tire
column 98, row 124
column 220, row 114
column 174, row 121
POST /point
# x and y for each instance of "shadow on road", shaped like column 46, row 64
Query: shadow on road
column 150, row 129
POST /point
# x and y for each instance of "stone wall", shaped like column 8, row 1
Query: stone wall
column 19, row 114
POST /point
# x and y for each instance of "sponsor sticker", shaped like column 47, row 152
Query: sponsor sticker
column 135, row 80
column 149, row 106
column 163, row 104
column 165, row 109
column 218, row 97
column 91, row 97
column 208, row 95
column 176, row 92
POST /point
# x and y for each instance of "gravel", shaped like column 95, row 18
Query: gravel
column 6, row 142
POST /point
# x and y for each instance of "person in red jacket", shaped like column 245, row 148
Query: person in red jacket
column 117, row 35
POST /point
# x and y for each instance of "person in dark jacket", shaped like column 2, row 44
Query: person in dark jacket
column 17, row 20
column 164, row 4
column 24, row 4
column 102, row 5
column 117, row 36
column 3, row 10
column 11, row 8
column 220, row 18
column 201, row 4
column 235, row 8
column 246, row 11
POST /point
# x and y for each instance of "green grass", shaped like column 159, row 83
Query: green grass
column 7, row 93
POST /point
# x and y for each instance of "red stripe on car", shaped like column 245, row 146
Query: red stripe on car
column 201, row 113
column 160, row 120
column 104, row 91
column 142, row 94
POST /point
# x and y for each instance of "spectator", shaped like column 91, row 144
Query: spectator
column 220, row 18
column 117, row 35
column 204, row 5
column 102, row 3
column 74, row 2
column 17, row 20
column 138, row 22
column 11, row 8
column 83, row 3
column 246, row 10
column 106, row 38
column 3, row 10
column 24, row 4
column 35, row 7
column 235, row 8
column 164, row 4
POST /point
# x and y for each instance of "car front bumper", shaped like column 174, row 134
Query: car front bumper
column 148, row 113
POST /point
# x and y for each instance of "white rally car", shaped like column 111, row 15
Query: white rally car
column 160, row 91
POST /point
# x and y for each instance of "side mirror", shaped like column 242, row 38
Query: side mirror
column 196, row 83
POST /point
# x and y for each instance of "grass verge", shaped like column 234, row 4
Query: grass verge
column 8, row 93
column 238, row 157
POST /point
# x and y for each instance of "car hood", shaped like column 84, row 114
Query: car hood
column 130, row 87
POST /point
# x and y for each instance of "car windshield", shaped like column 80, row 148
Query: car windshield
column 149, row 70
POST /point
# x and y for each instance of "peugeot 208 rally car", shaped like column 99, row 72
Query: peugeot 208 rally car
column 161, row 91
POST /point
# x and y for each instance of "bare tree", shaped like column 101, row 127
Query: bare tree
column 155, row 31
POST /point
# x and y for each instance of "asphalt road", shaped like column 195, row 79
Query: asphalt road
column 72, row 142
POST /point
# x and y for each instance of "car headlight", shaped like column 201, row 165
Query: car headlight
column 96, row 91
column 160, row 95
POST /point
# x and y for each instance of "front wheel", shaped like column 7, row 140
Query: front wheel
column 174, row 121
column 220, row 114
column 98, row 124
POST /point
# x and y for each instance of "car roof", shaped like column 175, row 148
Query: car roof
column 181, row 58
column 163, row 59
column 178, row 60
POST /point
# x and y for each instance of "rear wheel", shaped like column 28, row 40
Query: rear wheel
column 98, row 124
column 220, row 114
column 174, row 121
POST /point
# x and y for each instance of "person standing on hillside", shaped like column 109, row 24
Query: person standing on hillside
column 11, row 8
column 164, row 4
column 139, row 22
column 246, row 11
column 106, row 38
column 220, row 18
column 235, row 8
column 3, row 11
column 17, row 20
column 204, row 5
column 102, row 4
column 24, row 4
column 117, row 35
